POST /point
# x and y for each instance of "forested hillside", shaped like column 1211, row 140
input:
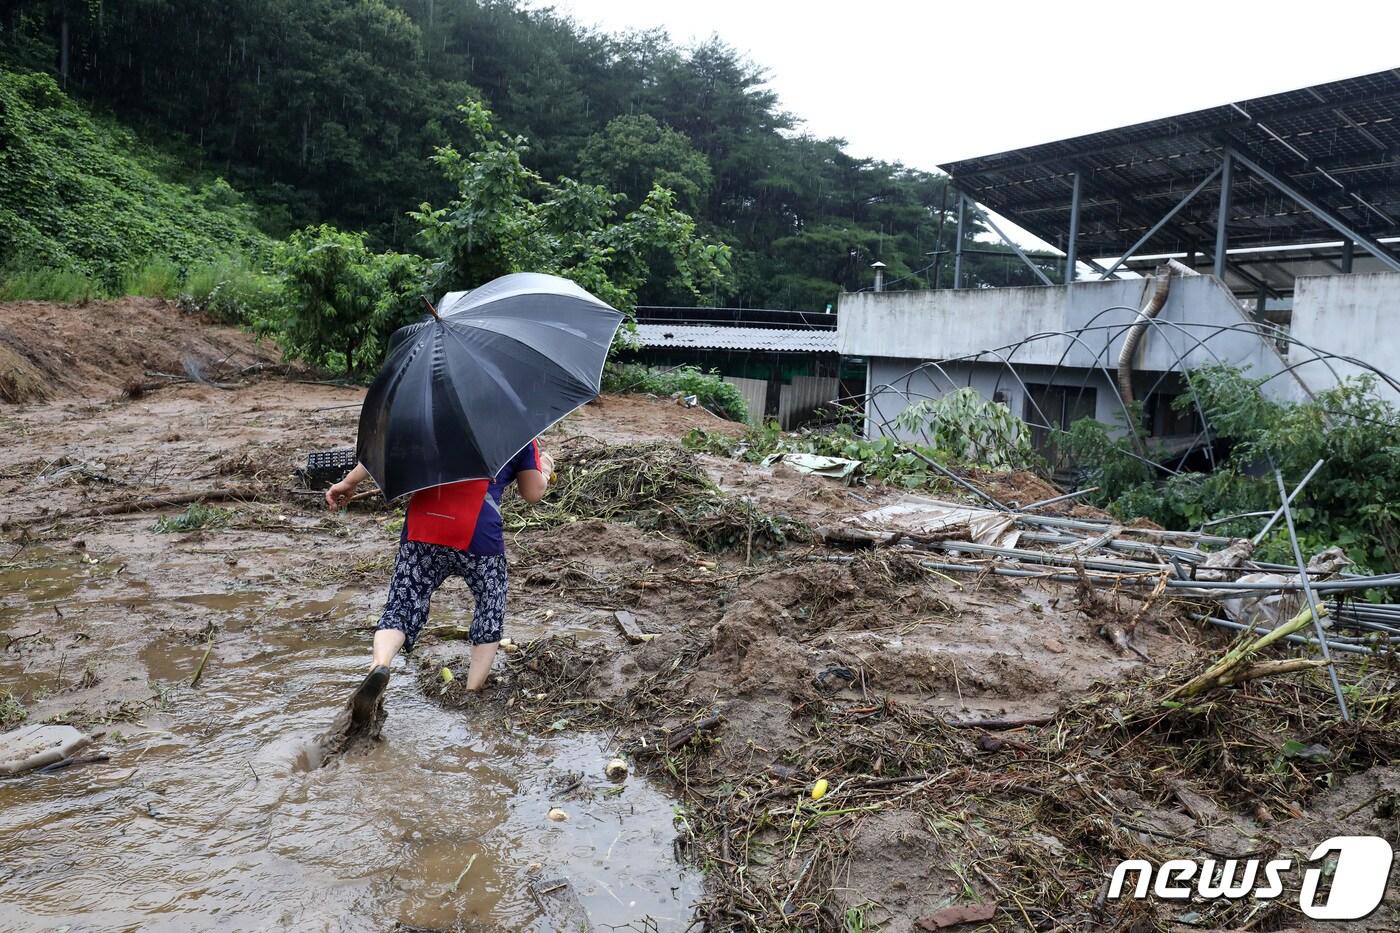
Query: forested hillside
column 329, row 111
column 88, row 198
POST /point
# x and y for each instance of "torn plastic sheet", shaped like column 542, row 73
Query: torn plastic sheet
column 918, row 517
column 815, row 464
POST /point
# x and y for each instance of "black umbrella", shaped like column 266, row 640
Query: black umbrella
column 465, row 390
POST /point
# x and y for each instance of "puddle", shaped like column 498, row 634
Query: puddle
column 46, row 577
column 204, row 819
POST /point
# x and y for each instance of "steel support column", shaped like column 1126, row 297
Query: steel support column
column 1348, row 252
column 986, row 219
column 1222, row 222
column 1368, row 243
column 1072, row 247
column 1166, row 219
column 958, row 246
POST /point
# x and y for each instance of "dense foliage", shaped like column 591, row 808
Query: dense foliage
column 86, row 208
column 709, row 389
column 1353, row 501
column 344, row 301
column 963, row 426
column 328, row 111
column 504, row 217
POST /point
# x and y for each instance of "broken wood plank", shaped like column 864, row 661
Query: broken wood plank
column 857, row 536
column 562, row 907
column 1001, row 722
column 630, row 629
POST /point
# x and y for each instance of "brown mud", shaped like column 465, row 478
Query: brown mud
column 984, row 743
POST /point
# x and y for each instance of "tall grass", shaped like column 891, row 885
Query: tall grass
column 45, row 283
column 230, row 289
column 155, row 278
column 709, row 389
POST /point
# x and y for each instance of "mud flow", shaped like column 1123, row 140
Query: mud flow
column 843, row 732
column 214, row 809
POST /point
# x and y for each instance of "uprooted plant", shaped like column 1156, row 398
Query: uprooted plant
column 654, row 486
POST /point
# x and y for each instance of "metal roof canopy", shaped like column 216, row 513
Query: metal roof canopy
column 1294, row 168
column 722, row 337
column 1275, row 266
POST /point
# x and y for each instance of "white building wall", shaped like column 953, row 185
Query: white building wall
column 1356, row 315
column 901, row 389
column 1201, row 324
column 945, row 324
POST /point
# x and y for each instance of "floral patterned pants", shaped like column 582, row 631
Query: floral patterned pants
column 420, row 570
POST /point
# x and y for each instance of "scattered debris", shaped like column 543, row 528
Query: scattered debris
column 815, row 464
column 630, row 629
column 656, row 486
column 30, row 747
column 562, row 907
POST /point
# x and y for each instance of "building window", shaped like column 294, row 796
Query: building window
column 1050, row 410
column 1164, row 420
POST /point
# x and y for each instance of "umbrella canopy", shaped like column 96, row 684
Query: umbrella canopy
column 462, row 393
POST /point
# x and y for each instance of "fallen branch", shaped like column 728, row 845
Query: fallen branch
column 1234, row 668
column 240, row 493
column 208, row 649
column 70, row 761
column 16, row 639
column 1001, row 722
column 670, row 742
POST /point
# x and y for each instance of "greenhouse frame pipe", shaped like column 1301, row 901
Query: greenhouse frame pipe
column 1278, row 513
column 1296, row 639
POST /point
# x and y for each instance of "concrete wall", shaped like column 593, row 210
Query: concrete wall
column 1350, row 315
column 902, row 389
column 945, row 324
column 897, row 331
column 1355, row 315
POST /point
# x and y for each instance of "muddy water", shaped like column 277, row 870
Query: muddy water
column 210, row 815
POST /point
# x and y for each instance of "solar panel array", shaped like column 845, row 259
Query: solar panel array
column 1338, row 143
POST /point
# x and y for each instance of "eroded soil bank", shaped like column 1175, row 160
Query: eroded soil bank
column 985, row 746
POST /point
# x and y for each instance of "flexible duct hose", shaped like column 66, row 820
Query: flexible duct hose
column 1128, row 353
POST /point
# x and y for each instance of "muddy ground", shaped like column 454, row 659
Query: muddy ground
column 771, row 664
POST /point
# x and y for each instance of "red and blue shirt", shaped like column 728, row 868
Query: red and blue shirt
column 467, row 515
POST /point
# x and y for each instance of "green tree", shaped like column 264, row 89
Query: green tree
column 343, row 301
column 327, row 111
column 634, row 154
column 506, row 218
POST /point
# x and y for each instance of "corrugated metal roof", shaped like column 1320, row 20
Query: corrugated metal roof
column 719, row 337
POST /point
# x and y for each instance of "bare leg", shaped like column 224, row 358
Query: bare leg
column 482, row 656
column 387, row 642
